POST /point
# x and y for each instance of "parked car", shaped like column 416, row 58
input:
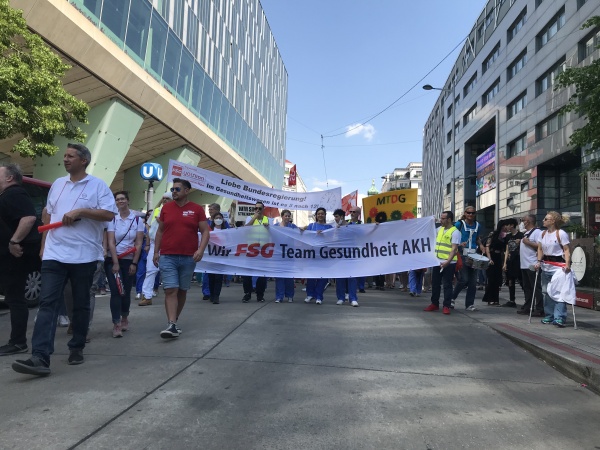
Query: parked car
column 38, row 191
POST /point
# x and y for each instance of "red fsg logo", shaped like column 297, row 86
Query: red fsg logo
column 177, row 171
column 253, row 250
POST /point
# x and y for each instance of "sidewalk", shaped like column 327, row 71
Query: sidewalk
column 573, row 352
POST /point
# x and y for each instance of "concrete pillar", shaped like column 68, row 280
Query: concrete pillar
column 133, row 183
column 112, row 128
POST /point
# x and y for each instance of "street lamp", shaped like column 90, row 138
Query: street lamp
column 429, row 87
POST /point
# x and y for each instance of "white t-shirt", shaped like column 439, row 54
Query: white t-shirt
column 551, row 247
column 82, row 241
column 125, row 231
column 454, row 239
column 528, row 254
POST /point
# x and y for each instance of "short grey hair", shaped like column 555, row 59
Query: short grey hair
column 215, row 206
column 82, row 151
column 531, row 218
column 14, row 170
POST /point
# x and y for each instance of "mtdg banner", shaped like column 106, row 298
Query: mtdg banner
column 348, row 251
column 392, row 205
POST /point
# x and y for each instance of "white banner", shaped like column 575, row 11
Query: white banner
column 348, row 251
column 225, row 186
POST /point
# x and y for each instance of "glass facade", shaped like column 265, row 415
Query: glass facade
column 218, row 58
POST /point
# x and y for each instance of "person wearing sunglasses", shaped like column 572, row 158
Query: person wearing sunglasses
column 256, row 220
column 470, row 241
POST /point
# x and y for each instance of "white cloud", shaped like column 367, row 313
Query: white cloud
column 358, row 129
column 319, row 185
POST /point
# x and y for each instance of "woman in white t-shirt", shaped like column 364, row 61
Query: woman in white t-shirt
column 553, row 254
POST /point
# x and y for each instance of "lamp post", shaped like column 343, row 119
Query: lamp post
column 429, row 87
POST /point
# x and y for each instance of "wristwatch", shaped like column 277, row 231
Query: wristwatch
column 11, row 242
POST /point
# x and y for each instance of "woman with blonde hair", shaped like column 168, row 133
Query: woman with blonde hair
column 553, row 255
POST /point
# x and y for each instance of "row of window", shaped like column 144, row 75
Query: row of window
column 543, row 129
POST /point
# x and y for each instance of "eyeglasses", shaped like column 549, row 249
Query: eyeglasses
column 176, row 189
column 122, row 199
column 547, row 218
column 469, row 212
column 352, row 212
column 258, row 209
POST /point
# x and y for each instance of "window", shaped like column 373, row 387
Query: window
column 546, row 81
column 487, row 63
column 589, row 44
column 490, row 93
column 449, row 162
column 470, row 85
column 449, row 137
column 449, row 111
column 517, row 104
column 538, row 3
column 580, row 3
column 517, row 146
column 549, row 126
column 457, row 128
column 555, row 24
column 516, row 66
column 457, row 101
column 516, row 25
column 470, row 114
column 448, row 189
column 489, row 18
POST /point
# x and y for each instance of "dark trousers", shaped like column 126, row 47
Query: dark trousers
column 215, row 283
column 119, row 304
column 13, row 276
column 54, row 276
column 528, row 280
column 439, row 278
column 261, row 285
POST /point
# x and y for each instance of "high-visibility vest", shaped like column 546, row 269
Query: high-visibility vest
column 265, row 221
column 443, row 243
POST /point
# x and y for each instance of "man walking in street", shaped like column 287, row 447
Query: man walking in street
column 19, row 253
column 258, row 219
column 82, row 203
column 529, row 245
column 470, row 241
column 177, row 250
column 446, row 248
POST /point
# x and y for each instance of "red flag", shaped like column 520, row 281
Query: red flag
column 349, row 201
column 292, row 177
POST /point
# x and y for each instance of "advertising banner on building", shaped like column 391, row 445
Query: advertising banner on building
column 593, row 186
column 392, row 205
column 216, row 183
column 348, row 251
column 485, row 167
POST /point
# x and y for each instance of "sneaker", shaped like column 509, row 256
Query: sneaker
column 170, row 332
column 340, row 302
column 290, row 300
column 446, row 310
column 278, row 300
column 362, row 291
column 206, row 297
column 124, row 323
column 178, row 329
column 538, row 314
column 154, row 293
column 412, row 294
column 102, row 291
column 452, row 304
column 560, row 323
column 471, row 308
column 63, row 321
column 547, row 320
column 246, row 298
column 347, row 297
column 354, row 303
column 319, row 302
column 145, row 302
column 12, row 349
column 308, row 299
column 523, row 312
column 117, row 331
column 260, row 300
column 31, row 366
column 215, row 301
column 138, row 296
column 509, row 304
column 76, row 357
column 432, row 307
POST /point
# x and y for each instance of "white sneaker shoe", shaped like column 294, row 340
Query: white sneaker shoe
column 347, row 297
column 154, row 293
column 308, row 299
column 472, row 308
column 354, row 303
column 278, row 300
column 63, row 321
column 290, row 300
column 138, row 296
column 340, row 302
column 318, row 302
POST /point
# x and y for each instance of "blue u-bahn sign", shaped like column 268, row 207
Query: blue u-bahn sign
column 151, row 172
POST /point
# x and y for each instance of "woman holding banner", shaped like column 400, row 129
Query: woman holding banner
column 315, row 287
column 124, row 237
column 284, row 287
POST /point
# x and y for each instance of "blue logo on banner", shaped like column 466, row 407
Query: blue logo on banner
column 151, row 172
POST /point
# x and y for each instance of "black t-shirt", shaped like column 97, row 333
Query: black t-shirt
column 513, row 246
column 15, row 204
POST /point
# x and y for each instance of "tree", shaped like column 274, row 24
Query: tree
column 585, row 101
column 33, row 102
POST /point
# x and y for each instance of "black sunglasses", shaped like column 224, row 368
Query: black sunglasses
column 176, row 189
column 470, row 212
column 258, row 209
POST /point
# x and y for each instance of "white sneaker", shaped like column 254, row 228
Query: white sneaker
column 154, row 293
column 290, row 300
column 347, row 297
column 318, row 302
column 304, row 289
column 340, row 302
column 452, row 304
column 138, row 296
column 278, row 300
column 354, row 303
column 63, row 321
column 308, row 299
column 472, row 308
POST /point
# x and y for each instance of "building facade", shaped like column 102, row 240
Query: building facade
column 410, row 177
column 499, row 100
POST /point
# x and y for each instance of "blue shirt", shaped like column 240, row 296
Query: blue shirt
column 314, row 226
column 469, row 233
column 289, row 225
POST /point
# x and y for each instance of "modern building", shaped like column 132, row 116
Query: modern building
column 199, row 81
column 499, row 100
column 410, row 177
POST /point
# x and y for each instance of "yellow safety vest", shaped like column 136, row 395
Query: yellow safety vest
column 443, row 243
column 265, row 221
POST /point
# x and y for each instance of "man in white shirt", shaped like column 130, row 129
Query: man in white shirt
column 82, row 203
column 528, row 252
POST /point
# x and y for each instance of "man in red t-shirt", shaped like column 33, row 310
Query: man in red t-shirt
column 177, row 250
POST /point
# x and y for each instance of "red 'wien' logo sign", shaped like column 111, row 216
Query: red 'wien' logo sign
column 177, row 171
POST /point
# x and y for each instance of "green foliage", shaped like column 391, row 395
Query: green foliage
column 585, row 101
column 33, row 102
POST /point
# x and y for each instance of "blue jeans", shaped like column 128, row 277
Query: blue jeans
column 315, row 287
column 119, row 304
column 415, row 281
column 205, row 284
column 360, row 281
column 54, row 276
column 442, row 278
column 468, row 277
column 343, row 285
column 140, row 275
column 284, row 287
column 552, row 308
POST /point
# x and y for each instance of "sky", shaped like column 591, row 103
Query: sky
column 348, row 60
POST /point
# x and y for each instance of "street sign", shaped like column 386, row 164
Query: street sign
column 151, row 172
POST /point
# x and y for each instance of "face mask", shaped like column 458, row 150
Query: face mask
column 218, row 221
column 522, row 228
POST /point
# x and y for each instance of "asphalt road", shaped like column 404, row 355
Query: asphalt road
column 385, row 375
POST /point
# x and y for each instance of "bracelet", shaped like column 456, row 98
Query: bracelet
column 134, row 264
column 11, row 242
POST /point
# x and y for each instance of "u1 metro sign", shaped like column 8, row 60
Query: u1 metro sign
column 151, row 172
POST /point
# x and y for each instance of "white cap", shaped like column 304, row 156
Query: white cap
column 168, row 195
